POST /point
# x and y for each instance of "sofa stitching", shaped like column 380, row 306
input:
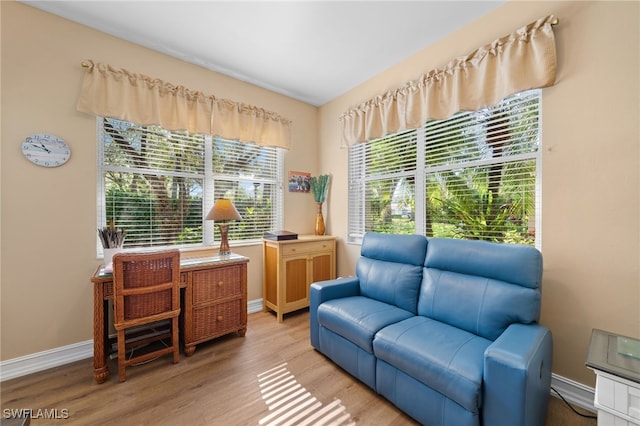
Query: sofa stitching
column 436, row 286
column 482, row 306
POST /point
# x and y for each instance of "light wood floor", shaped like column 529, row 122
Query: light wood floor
column 219, row 385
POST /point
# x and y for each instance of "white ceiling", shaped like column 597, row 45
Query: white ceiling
column 309, row 50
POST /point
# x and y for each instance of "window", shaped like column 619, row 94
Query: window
column 471, row 176
column 158, row 185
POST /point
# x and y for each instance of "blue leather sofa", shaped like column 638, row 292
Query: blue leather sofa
column 445, row 329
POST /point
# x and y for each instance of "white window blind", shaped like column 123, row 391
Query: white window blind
column 249, row 175
column 382, row 176
column 473, row 176
column 158, row 185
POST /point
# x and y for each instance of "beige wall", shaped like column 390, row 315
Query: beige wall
column 49, row 215
column 590, row 217
column 590, row 181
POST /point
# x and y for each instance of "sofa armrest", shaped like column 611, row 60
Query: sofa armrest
column 322, row 291
column 517, row 376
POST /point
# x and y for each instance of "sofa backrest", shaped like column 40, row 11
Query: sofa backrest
column 479, row 286
column 390, row 268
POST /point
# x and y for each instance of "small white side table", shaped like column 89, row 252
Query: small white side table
column 616, row 361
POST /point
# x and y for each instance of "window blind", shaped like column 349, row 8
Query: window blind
column 158, row 185
column 249, row 175
column 474, row 175
column 382, row 176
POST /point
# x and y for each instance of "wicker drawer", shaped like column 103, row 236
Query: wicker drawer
column 210, row 285
column 216, row 320
column 304, row 248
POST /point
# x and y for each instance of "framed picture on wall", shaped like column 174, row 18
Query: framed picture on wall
column 299, row 181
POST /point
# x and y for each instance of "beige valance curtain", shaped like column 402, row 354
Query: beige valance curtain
column 523, row 60
column 250, row 123
column 115, row 92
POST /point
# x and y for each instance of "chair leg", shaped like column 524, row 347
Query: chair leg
column 122, row 356
column 175, row 340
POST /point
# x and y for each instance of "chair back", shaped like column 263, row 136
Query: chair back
column 146, row 287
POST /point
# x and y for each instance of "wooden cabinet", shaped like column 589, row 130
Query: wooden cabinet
column 616, row 361
column 617, row 400
column 215, row 301
column 291, row 266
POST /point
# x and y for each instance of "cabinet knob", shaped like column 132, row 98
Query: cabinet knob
column 220, row 283
column 219, row 318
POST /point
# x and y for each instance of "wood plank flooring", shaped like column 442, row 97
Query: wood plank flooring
column 219, row 385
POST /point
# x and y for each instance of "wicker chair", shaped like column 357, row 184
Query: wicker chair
column 146, row 290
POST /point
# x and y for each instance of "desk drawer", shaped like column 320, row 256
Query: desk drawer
column 213, row 284
column 304, row 248
column 216, row 320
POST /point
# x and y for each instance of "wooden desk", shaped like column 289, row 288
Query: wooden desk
column 214, row 303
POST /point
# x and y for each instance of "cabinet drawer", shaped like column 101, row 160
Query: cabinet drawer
column 215, row 284
column 618, row 397
column 217, row 319
column 310, row 247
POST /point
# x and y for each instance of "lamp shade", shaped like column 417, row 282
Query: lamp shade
column 223, row 210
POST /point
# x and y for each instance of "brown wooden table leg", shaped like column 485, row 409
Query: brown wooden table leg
column 100, row 369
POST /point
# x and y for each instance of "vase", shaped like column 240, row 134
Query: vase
column 319, row 221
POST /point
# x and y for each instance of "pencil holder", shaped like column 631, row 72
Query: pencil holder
column 108, row 254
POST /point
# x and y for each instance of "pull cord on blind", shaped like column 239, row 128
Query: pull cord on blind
column 522, row 60
column 117, row 93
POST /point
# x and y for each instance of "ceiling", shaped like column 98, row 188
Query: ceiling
column 312, row 51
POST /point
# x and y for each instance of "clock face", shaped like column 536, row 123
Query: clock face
column 46, row 150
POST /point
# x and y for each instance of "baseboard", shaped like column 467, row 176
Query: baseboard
column 573, row 392
column 51, row 358
column 45, row 360
column 254, row 306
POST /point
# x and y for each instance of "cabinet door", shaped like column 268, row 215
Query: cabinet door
column 296, row 287
column 323, row 267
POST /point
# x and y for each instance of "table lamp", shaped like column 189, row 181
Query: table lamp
column 223, row 211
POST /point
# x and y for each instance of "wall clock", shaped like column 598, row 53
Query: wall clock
column 46, row 150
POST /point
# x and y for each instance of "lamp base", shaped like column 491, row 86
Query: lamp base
column 225, row 250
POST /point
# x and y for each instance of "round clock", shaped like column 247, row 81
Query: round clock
column 46, row 150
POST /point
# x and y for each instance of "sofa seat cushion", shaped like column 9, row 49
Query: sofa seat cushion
column 359, row 318
column 444, row 358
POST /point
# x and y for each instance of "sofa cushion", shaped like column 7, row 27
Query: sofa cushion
column 390, row 268
column 409, row 249
column 479, row 286
column 358, row 318
column 512, row 263
column 447, row 359
column 393, row 283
